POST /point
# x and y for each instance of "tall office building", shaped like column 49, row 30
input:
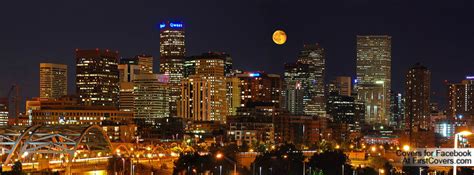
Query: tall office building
column 397, row 110
column 126, row 97
column 145, row 62
column 228, row 69
column 151, row 98
column 314, row 56
column 128, row 69
column 417, row 95
column 204, row 93
column 461, row 99
column 342, row 85
column 233, row 95
column 172, row 53
column 4, row 111
column 259, row 87
column 304, row 82
column 53, row 80
column 296, row 82
column 97, row 77
column 190, row 63
column 374, row 76
column 140, row 64
column 342, row 109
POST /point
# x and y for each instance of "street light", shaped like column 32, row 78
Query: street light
column 373, row 148
column 220, row 156
column 456, row 138
column 406, row 147
column 381, row 171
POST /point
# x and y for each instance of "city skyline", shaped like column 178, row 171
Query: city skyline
column 267, row 87
column 409, row 45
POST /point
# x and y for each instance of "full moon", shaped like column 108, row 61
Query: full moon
column 279, row 37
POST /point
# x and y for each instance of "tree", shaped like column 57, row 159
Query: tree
column 366, row 171
column 330, row 162
column 194, row 161
column 286, row 159
column 381, row 163
column 245, row 147
column 17, row 168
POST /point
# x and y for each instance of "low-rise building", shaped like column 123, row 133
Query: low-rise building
column 66, row 111
column 120, row 131
column 250, row 129
column 301, row 129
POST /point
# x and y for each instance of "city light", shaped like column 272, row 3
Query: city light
column 219, row 155
column 465, row 133
column 373, row 148
column 406, row 147
column 200, row 111
column 254, row 74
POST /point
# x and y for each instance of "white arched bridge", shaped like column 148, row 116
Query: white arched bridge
column 59, row 142
column 75, row 148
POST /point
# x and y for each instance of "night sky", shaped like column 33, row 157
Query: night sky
column 439, row 34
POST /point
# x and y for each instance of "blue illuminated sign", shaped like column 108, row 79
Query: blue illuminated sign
column 176, row 25
column 172, row 25
column 254, row 74
column 470, row 77
column 162, row 25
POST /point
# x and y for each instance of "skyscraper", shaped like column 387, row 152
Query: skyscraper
column 4, row 111
column 296, row 94
column 204, row 92
column 128, row 70
column 342, row 109
column 151, row 98
column 304, row 82
column 190, row 63
column 417, row 95
column 314, row 56
column 397, row 110
column 461, row 99
column 342, row 85
column 145, row 62
column 259, row 87
column 97, row 77
column 172, row 53
column 53, row 80
column 233, row 94
column 374, row 76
